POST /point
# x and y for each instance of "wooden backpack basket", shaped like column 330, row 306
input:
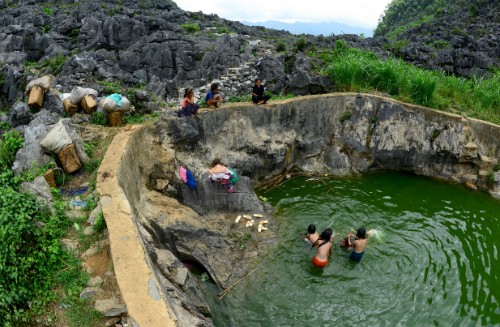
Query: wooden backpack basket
column 35, row 98
column 49, row 177
column 115, row 118
column 69, row 107
column 69, row 159
column 89, row 104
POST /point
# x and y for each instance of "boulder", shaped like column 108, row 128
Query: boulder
column 19, row 114
column 110, row 307
column 40, row 189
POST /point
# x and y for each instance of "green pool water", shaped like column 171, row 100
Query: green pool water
column 434, row 260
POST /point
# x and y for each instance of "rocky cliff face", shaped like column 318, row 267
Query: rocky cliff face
column 458, row 36
column 338, row 134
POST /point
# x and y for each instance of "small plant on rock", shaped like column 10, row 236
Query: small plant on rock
column 345, row 116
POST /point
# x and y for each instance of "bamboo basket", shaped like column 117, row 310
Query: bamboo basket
column 49, row 177
column 115, row 118
column 69, row 107
column 88, row 104
column 69, row 159
column 35, row 98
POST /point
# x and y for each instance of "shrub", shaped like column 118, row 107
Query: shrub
column 280, row 45
column 30, row 253
column 300, row 44
column 10, row 142
column 223, row 30
column 191, row 27
column 47, row 10
column 345, row 116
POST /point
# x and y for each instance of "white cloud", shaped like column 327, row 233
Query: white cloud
column 363, row 13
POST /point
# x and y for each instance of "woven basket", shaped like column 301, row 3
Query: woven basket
column 115, row 118
column 89, row 104
column 69, row 159
column 49, row 177
column 69, row 107
column 35, row 98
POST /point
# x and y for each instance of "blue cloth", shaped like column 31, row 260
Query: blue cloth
column 74, row 192
column 189, row 110
column 356, row 256
column 190, row 180
column 210, row 96
column 116, row 98
column 79, row 203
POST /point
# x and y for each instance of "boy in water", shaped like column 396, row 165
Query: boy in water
column 311, row 236
column 325, row 247
column 358, row 244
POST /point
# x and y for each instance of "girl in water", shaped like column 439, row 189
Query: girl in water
column 325, row 247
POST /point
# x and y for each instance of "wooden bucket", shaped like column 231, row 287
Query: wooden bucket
column 115, row 118
column 89, row 104
column 69, row 107
column 49, row 177
column 69, row 159
column 35, row 98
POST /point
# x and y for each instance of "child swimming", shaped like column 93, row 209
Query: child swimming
column 357, row 243
column 311, row 236
column 325, row 247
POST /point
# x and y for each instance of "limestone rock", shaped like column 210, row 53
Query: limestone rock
column 110, row 307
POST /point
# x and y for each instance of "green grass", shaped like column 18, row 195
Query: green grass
column 354, row 70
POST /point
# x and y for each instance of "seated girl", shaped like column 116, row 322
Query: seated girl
column 189, row 105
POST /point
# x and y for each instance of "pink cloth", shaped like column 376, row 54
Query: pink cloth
column 182, row 173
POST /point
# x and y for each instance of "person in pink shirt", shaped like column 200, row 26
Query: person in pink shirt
column 189, row 105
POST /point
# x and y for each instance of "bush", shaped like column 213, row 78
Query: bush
column 191, row 27
column 345, row 116
column 30, row 253
column 300, row 44
column 10, row 143
column 280, row 45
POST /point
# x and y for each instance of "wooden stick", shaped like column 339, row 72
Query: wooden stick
column 223, row 293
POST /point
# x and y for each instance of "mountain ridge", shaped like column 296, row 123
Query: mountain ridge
column 322, row 28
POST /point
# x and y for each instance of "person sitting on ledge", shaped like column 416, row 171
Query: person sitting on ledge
column 213, row 97
column 258, row 91
column 189, row 105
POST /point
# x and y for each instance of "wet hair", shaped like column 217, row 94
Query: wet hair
column 325, row 236
column 361, row 233
column 214, row 86
column 311, row 229
column 186, row 91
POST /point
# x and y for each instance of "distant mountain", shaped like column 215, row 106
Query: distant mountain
column 314, row 28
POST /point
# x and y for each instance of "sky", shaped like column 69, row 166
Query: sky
column 364, row 13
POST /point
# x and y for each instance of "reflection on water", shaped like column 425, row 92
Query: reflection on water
column 433, row 260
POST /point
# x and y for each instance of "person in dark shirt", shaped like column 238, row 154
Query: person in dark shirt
column 258, row 96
